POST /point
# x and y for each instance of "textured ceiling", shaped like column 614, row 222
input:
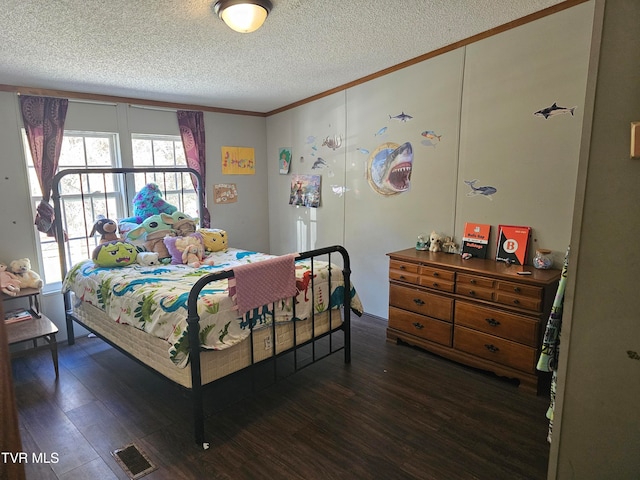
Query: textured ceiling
column 178, row 51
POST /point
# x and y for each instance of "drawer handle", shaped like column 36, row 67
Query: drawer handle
column 417, row 301
column 472, row 281
column 516, row 301
column 401, row 277
column 472, row 292
column 435, row 284
column 402, row 267
column 491, row 348
column 516, row 289
column 492, row 321
column 436, row 274
column 418, row 325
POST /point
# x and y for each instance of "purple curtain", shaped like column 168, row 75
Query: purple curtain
column 191, row 125
column 43, row 119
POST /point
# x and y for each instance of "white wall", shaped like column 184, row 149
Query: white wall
column 245, row 221
column 481, row 100
column 597, row 424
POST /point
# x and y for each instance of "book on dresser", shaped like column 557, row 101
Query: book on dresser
column 475, row 239
column 513, row 244
column 17, row 315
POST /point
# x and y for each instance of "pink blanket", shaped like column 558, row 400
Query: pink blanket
column 264, row 282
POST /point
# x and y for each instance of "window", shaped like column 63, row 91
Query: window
column 164, row 151
column 79, row 150
column 82, row 200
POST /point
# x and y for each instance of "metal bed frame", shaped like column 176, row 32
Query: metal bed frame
column 193, row 319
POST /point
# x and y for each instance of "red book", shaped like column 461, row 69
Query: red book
column 513, row 243
column 475, row 239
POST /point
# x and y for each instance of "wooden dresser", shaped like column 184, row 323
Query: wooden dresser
column 478, row 312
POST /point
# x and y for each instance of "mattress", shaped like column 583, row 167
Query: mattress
column 153, row 300
column 214, row 364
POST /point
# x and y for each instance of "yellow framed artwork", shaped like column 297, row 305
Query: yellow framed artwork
column 238, row 161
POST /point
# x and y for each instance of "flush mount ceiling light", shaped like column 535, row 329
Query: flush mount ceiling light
column 243, row 16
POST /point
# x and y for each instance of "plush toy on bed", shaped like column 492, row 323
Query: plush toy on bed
column 181, row 223
column 214, row 239
column 147, row 202
column 107, row 228
column 148, row 259
column 22, row 269
column 155, row 230
column 114, row 254
column 187, row 251
column 9, row 283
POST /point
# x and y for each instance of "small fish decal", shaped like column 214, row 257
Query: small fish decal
column 364, row 151
column 403, row 117
column 430, row 134
column 332, row 142
column 310, row 139
column 339, row 190
column 319, row 163
column 554, row 110
column 314, row 148
column 485, row 191
column 382, row 131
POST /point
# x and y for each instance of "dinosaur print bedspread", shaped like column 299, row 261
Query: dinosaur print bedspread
column 154, row 299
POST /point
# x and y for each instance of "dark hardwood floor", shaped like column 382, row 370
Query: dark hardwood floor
column 395, row 413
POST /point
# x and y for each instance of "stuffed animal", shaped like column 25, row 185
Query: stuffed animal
column 448, row 245
column 148, row 259
column 435, row 242
column 22, row 269
column 9, row 283
column 148, row 202
column 155, row 229
column 107, row 228
column 192, row 251
column 181, row 223
column 114, row 254
column 214, row 239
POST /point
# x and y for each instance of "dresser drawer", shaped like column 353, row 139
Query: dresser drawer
column 421, row 326
column 424, row 303
column 432, row 282
column 520, row 290
column 472, row 291
column 528, row 303
column 404, row 276
column 499, row 350
column 404, row 267
column 510, row 326
column 437, row 274
column 473, row 281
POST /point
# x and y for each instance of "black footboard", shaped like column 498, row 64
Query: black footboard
column 193, row 320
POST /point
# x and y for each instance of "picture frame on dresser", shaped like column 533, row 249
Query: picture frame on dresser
column 477, row 312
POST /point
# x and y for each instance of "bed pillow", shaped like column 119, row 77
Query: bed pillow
column 124, row 227
column 214, row 239
column 114, row 254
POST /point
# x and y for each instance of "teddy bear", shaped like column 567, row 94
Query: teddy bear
column 9, row 283
column 435, row 242
column 107, row 228
column 148, row 259
column 22, row 269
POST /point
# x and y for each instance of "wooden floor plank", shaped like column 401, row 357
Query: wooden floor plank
column 394, row 412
